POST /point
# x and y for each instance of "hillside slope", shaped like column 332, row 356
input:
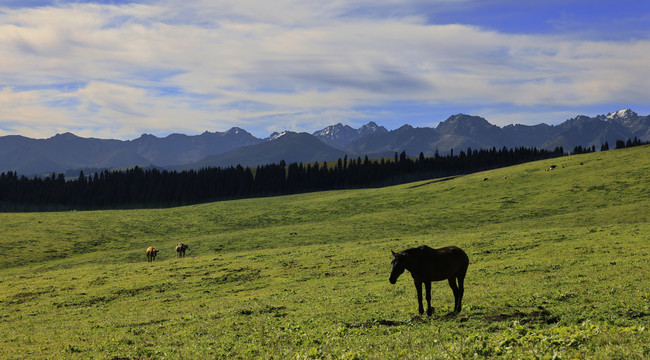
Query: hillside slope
column 557, row 261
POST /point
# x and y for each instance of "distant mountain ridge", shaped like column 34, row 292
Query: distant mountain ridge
column 288, row 146
column 340, row 135
column 462, row 131
column 237, row 146
column 68, row 151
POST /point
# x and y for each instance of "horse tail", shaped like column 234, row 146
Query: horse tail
column 463, row 266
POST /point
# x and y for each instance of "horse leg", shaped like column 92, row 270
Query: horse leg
column 427, row 287
column 461, row 290
column 454, row 288
column 418, row 288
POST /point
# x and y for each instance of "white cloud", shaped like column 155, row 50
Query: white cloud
column 202, row 65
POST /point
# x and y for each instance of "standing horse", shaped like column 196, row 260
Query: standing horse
column 151, row 253
column 180, row 249
column 426, row 265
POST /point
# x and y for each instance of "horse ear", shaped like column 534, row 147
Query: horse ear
column 393, row 253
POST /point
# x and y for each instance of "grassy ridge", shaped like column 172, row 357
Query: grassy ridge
column 558, row 266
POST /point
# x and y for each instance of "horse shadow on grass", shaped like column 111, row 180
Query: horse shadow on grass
column 539, row 315
column 415, row 320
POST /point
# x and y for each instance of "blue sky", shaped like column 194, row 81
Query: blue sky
column 117, row 69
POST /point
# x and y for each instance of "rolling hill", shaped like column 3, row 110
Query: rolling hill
column 558, row 264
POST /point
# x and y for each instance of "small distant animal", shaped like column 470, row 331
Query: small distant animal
column 293, row 233
column 486, row 179
column 426, row 265
column 180, row 249
column 151, row 253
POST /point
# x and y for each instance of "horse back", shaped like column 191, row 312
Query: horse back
column 442, row 263
column 456, row 253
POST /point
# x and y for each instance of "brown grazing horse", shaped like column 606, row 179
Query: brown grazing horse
column 151, row 253
column 426, row 265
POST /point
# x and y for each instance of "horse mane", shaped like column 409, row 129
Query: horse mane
column 420, row 250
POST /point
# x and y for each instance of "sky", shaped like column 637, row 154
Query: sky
column 118, row 69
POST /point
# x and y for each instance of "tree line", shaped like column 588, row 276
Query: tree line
column 144, row 188
column 620, row 144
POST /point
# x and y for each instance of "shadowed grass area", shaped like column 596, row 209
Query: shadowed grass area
column 558, row 267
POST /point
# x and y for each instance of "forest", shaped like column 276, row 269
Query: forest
column 152, row 187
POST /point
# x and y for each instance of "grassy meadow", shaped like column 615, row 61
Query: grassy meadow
column 559, row 268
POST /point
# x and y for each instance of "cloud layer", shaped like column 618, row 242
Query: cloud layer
column 188, row 66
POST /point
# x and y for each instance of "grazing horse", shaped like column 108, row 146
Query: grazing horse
column 180, row 249
column 426, row 265
column 151, row 253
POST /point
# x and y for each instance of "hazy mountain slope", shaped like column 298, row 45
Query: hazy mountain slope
column 586, row 131
column 474, row 128
column 68, row 151
column 177, row 149
column 290, row 147
column 406, row 138
column 62, row 152
column 530, row 136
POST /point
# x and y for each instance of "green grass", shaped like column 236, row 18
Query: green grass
column 559, row 266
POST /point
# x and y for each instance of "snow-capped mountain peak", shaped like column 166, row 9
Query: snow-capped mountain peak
column 371, row 128
column 622, row 114
column 340, row 135
column 333, row 130
column 276, row 135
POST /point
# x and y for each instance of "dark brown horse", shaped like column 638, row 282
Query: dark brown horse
column 180, row 249
column 426, row 265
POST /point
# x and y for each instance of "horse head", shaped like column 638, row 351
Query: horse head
column 398, row 266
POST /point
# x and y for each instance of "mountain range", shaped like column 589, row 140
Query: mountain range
column 237, row 146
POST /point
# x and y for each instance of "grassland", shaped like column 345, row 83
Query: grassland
column 559, row 264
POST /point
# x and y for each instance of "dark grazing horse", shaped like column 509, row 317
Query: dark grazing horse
column 180, row 249
column 426, row 265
